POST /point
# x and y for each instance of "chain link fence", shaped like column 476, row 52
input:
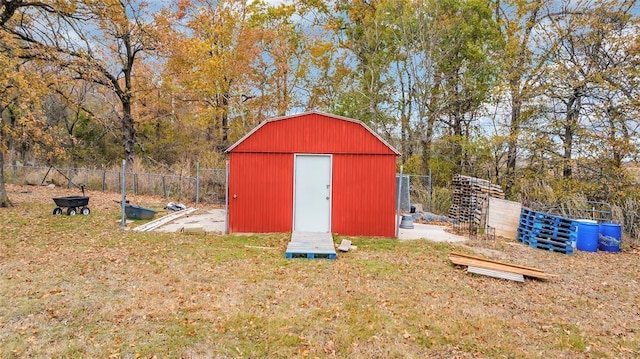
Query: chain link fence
column 207, row 186
column 415, row 190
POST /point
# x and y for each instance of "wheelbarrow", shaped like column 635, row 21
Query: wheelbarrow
column 138, row 212
column 73, row 204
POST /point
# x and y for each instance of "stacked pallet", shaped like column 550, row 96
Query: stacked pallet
column 470, row 198
column 546, row 231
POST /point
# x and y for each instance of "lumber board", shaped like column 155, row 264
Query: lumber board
column 149, row 226
column 496, row 274
column 467, row 260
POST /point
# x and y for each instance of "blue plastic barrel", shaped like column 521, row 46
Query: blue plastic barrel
column 588, row 233
column 610, row 237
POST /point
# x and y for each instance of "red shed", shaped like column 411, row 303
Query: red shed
column 312, row 172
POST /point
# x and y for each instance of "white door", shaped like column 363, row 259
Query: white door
column 312, row 193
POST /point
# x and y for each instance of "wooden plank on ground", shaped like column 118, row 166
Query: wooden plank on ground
column 496, row 274
column 149, row 226
column 467, row 260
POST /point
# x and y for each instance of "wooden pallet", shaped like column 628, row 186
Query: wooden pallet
column 471, row 197
column 546, row 231
column 553, row 232
column 304, row 253
column 311, row 245
column 568, row 249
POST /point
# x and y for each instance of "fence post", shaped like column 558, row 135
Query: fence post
column 226, row 197
column 135, row 183
column 399, row 202
column 70, row 184
column 429, row 192
column 197, row 182
column 180, row 187
column 124, row 191
column 164, row 187
column 104, row 180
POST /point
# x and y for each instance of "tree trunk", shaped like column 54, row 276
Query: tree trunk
column 4, row 199
column 128, row 132
column 512, row 143
column 425, row 143
column 573, row 110
column 568, row 149
column 404, row 138
column 457, row 143
column 616, row 145
column 225, row 119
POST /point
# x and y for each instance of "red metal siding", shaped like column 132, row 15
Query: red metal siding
column 364, row 195
column 313, row 133
column 363, row 176
column 263, row 187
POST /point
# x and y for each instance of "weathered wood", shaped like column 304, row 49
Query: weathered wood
column 504, row 217
column 470, row 198
column 467, row 260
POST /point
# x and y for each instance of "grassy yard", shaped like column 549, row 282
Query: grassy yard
column 81, row 287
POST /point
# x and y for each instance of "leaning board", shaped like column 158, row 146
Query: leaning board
column 504, row 217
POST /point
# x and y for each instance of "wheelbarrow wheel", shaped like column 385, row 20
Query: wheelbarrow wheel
column 85, row 210
column 71, row 211
column 57, row 211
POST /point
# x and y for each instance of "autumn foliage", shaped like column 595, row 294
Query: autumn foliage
column 520, row 92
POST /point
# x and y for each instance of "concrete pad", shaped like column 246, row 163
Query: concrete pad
column 212, row 220
column 207, row 220
column 431, row 232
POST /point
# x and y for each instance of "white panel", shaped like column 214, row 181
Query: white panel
column 312, row 193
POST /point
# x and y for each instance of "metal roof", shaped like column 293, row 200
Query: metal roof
column 263, row 123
